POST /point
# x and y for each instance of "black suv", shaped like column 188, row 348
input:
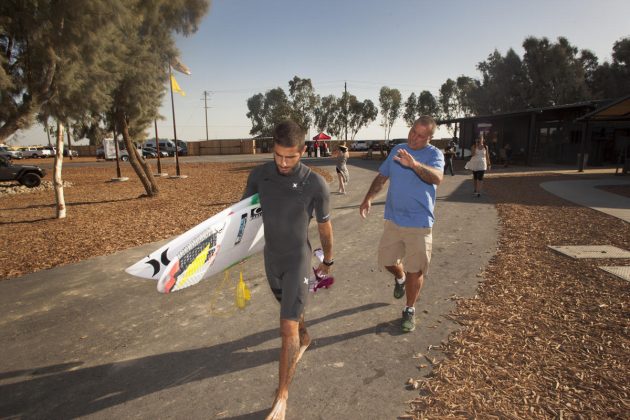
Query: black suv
column 29, row 176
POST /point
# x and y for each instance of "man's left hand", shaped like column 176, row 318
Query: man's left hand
column 405, row 159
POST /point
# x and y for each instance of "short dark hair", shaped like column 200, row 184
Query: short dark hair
column 288, row 134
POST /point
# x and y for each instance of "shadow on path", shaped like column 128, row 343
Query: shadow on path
column 54, row 395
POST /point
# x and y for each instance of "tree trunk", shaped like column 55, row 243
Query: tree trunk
column 69, row 144
column 57, row 181
column 48, row 134
column 141, row 168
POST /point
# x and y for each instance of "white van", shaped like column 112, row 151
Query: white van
column 167, row 146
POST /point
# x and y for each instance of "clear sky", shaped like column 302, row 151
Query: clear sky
column 244, row 47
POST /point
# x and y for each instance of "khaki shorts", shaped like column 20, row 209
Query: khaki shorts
column 407, row 245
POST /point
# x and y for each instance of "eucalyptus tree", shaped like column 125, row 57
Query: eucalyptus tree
column 390, row 100
column 503, row 86
column 423, row 104
column 148, row 51
column 360, row 114
column 448, row 101
column 411, row 109
column 554, row 72
column 427, row 104
column 303, row 101
column 54, row 60
column 326, row 112
column 265, row 111
column 612, row 79
column 56, row 66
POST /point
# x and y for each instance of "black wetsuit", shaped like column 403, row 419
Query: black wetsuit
column 288, row 203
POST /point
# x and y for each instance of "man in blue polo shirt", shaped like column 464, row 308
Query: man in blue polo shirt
column 414, row 170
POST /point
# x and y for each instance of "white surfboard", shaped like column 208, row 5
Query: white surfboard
column 212, row 246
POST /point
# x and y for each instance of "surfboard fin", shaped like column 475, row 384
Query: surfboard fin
column 243, row 294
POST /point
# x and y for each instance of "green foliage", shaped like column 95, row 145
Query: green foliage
column 554, row 73
column 266, row 111
column 448, row 99
column 360, row 114
column 548, row 74
column 611, row 80
column 54, row 61
column 326, row 113
column 427, row 105
column 74, row 60
column 504, row 84
column 411, row 109
column 390, row 101
column 303, row 101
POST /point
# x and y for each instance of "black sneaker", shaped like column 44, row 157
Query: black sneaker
column 408, row 322
column 399, row 289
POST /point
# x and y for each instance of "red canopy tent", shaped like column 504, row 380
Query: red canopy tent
column 322, row 136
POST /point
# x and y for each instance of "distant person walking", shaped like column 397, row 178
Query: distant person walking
column 342, row 155
column 508, row 154
column 414, row 169
column 449, row 153
column 479, row 163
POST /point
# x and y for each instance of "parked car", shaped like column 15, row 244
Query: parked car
column 359, row 145
column 148, row 153
column 29, row 152
column 394, row 142
column 111, row 152
column 167, row 146
column 70, row 152
column 46, row 152
column 154, row 150
column 29, row 176
column 183, row 148
column 122, row 154
column 11, row 154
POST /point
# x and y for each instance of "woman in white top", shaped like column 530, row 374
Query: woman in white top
column 479, row 163
column 343, row 175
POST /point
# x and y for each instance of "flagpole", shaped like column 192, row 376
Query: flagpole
column 170, row 81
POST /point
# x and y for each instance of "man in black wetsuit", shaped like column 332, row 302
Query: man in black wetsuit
column 289, row 194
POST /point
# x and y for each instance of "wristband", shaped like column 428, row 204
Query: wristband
column 328, row 263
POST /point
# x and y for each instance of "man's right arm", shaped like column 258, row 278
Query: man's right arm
column 375, row 188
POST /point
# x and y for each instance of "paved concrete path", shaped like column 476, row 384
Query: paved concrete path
column 585, row 193
column 87, row 340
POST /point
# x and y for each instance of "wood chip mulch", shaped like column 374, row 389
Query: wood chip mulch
column 546, row 336
column 105, row 217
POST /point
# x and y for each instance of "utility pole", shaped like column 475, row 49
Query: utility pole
column 205, row 101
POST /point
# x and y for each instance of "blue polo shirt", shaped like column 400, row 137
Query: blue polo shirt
column 410, row 200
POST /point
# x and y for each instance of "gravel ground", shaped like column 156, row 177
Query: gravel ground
column 546, row 336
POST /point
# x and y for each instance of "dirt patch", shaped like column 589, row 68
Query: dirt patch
column 546, row 336
column 623, row 190
column 105, row 217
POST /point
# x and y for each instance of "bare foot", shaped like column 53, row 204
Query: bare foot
column 278, row 410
